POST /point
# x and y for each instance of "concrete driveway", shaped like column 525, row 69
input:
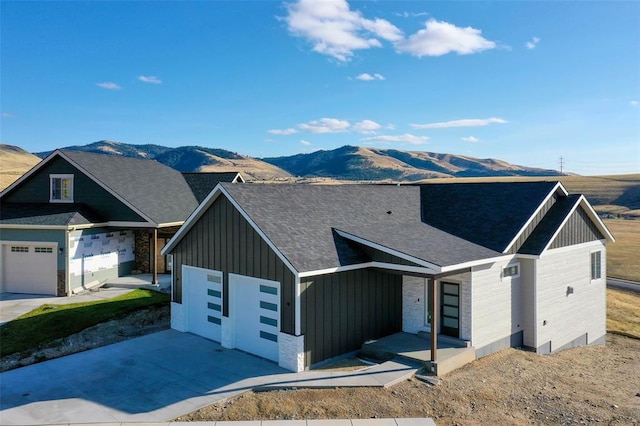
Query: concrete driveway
column 153, row 378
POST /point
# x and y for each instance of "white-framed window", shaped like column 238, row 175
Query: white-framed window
column 61, row 188
column 19, row 249
column 43, row 249
column 596, row 265
column 511, row 271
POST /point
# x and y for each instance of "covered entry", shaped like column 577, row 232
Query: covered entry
column 255, row 311
column 29, row 268
column 203, row 301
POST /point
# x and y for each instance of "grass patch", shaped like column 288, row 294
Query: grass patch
column 622, row 256
column 50, row 322
column 623, row 312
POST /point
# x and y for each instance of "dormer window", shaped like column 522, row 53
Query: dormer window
column 61, row 188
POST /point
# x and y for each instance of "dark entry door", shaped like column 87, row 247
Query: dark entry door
column 450, row 309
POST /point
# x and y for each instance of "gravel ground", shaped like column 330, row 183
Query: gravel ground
column 598, row 384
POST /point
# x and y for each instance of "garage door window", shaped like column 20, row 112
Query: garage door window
column 43, row 250
column 19, row 249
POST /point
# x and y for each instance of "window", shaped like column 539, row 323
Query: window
column 511, row 271
column 596, row 265
column 61, row 190
column 19, row 249
column 43, row 250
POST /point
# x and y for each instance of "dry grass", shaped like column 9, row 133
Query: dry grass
column 14, row 162
column 623, row 256
column 623, row 312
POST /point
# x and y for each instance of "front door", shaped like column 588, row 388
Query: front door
column 450, row 309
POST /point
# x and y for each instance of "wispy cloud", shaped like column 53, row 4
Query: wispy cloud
column 336, row 30
column 7, row 115
column 411, row 14
column 149, row 79
column 305, row 143
column 439, row 38
column 470, row 139
column 366, row 127
column 289, row 131
column 369, row 77
column 470, row 122
column 533, row 43
column 406, row 138
column 109, row 85
column 326, row 125
column 633, row 103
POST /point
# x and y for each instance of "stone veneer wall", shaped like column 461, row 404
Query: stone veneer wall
column 143, row 251
column 62, row 281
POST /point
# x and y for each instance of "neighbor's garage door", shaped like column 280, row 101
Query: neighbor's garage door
column 28, row 268
column 256, row 315
column 202, row 300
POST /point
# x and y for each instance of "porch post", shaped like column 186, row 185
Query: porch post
column 434, row 320
column 154, row 256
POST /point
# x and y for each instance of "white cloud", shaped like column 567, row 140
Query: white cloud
column 470, row 122
column 149, row 79
column 369, row 77
column 533, row 43
column 109, row 85
column 306, row 143
column 366, row 126
column 289, row 131
column 439, row 38
column 470, row 139
column 335, row 30
column 406, row 138
column 325, row 125
column 411, row 14
column 7, row 115
column 633, row 103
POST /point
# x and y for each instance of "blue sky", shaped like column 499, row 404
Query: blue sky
column 525, row 82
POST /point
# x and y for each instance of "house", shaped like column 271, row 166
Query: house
column 300, row 274
column 78, row 219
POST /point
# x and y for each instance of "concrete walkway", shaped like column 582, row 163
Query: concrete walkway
column 417, row 421
column 12, row 305
column 156, row 378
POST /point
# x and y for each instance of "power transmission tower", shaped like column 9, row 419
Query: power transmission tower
column 561, row 165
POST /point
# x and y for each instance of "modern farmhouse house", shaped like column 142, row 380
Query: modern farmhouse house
column 78, row 219
column 299, row 274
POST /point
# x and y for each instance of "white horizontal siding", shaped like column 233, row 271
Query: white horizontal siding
column 569, row 316
column 414, row 300
column 527, row 301
column 496, row 304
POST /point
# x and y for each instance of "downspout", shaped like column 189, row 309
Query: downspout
column 67, row 263
column 154, row 256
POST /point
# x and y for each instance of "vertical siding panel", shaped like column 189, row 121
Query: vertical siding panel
column 330, row 308
column 357, row 310
column 245, row 251
column 236, row 241
column 344, row 311
column 318, row 320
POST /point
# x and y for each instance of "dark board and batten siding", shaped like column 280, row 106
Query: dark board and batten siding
column 536, row 220
column 343, row 310
column 578, row 229
column 223, row 240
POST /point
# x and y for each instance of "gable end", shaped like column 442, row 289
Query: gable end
column 526, row 233
column 578, row 229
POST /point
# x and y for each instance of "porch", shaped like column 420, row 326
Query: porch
column 451, row 353
column 142, row 281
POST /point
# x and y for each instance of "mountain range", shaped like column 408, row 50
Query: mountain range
column 344, row 163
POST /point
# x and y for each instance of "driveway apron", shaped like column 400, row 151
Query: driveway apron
column 152, row 378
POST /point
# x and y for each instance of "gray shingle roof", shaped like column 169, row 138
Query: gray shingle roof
column 488, row 214
column 422, row 241
column 62, row 214
column 299, row 220
column 542, row 234
column 158, row 191
column 202, row 183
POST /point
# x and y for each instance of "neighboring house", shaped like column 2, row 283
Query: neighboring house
column 300, row 274
column 78, row 219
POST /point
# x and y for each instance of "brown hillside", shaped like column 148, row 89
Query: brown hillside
column 14, row 162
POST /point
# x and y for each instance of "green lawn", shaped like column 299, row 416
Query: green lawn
column 50, row 322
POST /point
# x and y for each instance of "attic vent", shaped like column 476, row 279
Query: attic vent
column 389, row 212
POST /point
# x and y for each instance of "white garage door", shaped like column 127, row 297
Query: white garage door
column 203, row 301
column 256, row 315
column 28, row 268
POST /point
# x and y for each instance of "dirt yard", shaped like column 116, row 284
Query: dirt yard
column 599, row 384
